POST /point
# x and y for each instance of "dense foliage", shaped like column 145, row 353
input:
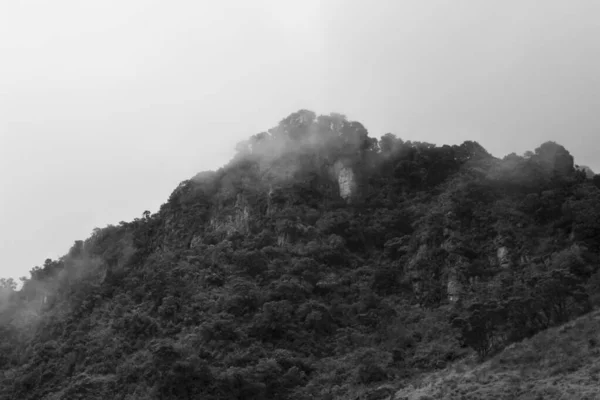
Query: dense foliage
column 319, row 263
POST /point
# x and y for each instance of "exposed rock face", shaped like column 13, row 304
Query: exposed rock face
column 237, row 222
column 196, row 241
column 329, row 282
column 454, row 262
column 503, row 256
column 420, row 254
column 282, row 239
column 346, row 182
column 503, row 244
column 345, row 176
column 453, row 289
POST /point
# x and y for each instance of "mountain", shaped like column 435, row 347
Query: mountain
column 319, row 263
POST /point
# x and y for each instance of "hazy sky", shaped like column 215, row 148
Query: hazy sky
column 105, row 106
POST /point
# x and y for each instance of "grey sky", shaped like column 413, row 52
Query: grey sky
column 105, row 106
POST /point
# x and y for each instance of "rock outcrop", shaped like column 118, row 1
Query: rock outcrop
column 237, row 221
column 347, row 183
column 453, row 288
column 502, row 255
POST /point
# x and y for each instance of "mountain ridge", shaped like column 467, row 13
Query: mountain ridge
column 319, row 262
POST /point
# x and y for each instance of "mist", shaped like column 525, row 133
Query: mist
column 106, row 106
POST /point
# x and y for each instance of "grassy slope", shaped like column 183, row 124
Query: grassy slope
column 559, row 363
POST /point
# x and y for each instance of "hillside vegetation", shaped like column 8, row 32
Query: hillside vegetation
column 558, row 363
column 319, row 263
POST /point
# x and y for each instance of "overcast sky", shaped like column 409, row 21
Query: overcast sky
column 105, row 106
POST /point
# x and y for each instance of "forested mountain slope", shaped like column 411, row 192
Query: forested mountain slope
column 320, row 263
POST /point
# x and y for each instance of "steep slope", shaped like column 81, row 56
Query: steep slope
column 559, row 363
column 319, row 263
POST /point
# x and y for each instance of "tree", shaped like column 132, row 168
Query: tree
column 389, row 143
column 555, row 159
column 561, row 295
column 8, row 284
column 482, row 326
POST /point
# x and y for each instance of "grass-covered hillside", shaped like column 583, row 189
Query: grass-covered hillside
column 558, row 363
column 319, row 263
